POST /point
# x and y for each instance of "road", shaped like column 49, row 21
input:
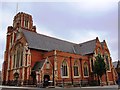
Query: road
column 78, row 88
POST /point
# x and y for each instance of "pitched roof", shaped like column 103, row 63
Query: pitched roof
column 42, row 42
column 86, row 47
column 38, row 65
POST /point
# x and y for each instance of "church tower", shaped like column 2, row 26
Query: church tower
column 23, row 20
column 20, row 21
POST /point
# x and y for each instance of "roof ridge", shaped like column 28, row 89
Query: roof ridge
column 49, row 43
column 87, row 41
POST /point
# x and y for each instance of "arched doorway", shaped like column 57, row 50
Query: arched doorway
column 46, row 80
column 16, row 76
column 33, row 75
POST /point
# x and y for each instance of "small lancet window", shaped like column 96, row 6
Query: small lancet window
column 85, row 69
column 76, row 73
column 64, row 68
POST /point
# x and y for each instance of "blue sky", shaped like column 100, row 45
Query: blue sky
column 77, row 21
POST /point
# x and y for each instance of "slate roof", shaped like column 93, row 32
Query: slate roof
column 38, row 65
column 43, row 42
column 86, row 47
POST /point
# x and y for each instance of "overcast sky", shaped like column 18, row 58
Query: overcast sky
column 72, row 21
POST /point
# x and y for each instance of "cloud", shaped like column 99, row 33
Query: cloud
column 43, row 30
column 95, row 6
column 71, row 21
column 91, row 1
column 53, row 17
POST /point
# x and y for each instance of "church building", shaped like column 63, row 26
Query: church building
column 31, row 58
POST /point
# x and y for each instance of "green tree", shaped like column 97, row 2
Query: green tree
column 99, row 67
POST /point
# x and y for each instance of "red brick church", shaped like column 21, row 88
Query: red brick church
column 33, row 58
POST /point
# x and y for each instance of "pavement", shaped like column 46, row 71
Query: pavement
column 110, row 87
column 17, row 87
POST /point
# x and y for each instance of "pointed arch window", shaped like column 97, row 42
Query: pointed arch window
column 21, row 58
column 92, row 64
column 26, row 22
column 85, row 69
column 18, row 56
column 76, row 73
column 64, row 68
